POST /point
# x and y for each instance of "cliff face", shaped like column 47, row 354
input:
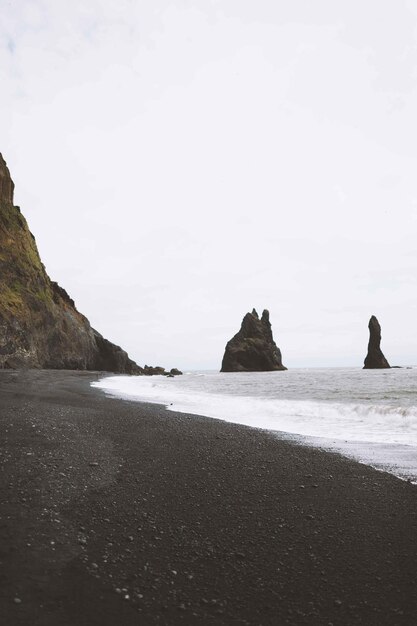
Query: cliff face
column 375, row 359
column 253, row 348
column 39, row 324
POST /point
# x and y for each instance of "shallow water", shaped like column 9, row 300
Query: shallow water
column 369, row 415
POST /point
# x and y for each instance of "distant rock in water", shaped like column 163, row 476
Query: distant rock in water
column 253, row 348
column 160, row 371
column 39, row 324
column 375, row 359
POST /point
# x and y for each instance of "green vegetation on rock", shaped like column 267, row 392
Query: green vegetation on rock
column 39, row 324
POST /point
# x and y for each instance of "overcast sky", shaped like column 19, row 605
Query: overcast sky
column 181, row 162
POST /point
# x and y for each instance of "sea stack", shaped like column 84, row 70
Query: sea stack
column 253, row 348
column 375, row 358
column 39, row 324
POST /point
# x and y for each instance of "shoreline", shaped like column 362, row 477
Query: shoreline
column 196, row 520
column 397, row 458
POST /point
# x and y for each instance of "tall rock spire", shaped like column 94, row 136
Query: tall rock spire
column 375, row 358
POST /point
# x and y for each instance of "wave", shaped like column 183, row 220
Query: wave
column 378, row 428
column 380, row 423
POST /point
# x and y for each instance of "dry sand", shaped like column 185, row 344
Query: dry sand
column 122, row 513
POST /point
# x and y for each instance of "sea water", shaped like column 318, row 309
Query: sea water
column 368, row 415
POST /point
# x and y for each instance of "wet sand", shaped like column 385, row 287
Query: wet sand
column 115, row 512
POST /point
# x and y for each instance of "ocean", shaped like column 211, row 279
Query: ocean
column 367, row 415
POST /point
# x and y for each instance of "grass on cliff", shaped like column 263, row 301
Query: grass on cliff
column 24, row 284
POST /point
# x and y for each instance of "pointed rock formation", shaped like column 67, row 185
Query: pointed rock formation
column 253, row 348
column 39, row 324
column 6, row 183
column 375, row 359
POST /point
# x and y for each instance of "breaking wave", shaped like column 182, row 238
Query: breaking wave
column 338, row 408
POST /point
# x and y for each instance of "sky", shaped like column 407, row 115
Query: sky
column 181, row 162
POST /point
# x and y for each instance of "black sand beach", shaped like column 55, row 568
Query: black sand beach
column 114, row 512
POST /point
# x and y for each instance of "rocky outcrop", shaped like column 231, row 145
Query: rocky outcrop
column 375, row 358
column 253, row 348
column 6, row 183
column 160, row 371
column 39, row 323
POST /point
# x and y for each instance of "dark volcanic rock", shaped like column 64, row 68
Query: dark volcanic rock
column 253, row 348
column 149, row 370
column 113, row 358
column 39, row 324
column 375, row 359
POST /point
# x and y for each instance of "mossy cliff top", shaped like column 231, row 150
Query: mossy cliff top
column 6, row 183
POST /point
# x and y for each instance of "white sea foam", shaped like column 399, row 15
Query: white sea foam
column 369, row 415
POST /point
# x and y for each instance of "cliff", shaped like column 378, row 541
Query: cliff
column 39, row 323
column 253, row 348
column 375, row 358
